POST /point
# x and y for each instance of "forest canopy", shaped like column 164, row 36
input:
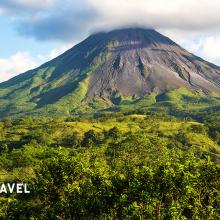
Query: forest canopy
column 114, row 166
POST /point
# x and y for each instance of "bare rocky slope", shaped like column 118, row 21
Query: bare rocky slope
column 139, row 62
column 128, row 63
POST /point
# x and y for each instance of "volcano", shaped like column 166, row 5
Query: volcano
column 110, row 69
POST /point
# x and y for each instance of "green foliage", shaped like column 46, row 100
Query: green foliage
column 67, row 95
column 111, row 167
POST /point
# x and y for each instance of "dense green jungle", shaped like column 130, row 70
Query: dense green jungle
column 112, row 166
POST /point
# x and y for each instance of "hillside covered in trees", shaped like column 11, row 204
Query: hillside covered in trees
column 115, row 166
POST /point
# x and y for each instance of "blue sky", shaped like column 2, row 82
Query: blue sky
column 35, row 31
column 11, row 42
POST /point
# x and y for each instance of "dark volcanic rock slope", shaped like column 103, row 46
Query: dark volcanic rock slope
column 139, row 62
column 123, row 63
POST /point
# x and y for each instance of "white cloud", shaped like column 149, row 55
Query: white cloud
column 67, row 19
column 205, row 44
column 182, row 14
column 15, row 64
column 23, row 61
column 211, row 48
